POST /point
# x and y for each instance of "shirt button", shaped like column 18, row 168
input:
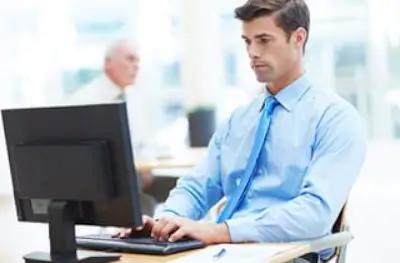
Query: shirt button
column 237, row 181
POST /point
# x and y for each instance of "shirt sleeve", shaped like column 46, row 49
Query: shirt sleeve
column 338, row 154
column 198, row 191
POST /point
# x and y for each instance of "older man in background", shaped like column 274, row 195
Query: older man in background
column 121, row 65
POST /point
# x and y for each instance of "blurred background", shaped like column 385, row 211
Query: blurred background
column 49, row 49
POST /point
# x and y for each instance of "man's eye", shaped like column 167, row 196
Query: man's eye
column 265, row 41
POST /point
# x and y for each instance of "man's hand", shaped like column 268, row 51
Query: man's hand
column 176, row 228
column 173, row 229
column 142, row 231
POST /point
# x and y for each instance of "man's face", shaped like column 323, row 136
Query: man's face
column 123, row 66
column 272, row 54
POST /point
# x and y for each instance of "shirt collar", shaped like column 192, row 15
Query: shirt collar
column 291, row 94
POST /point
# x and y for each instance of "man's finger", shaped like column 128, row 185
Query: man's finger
column 149, row 223
column 169, row 228
column 157, row 228
column 123, row 233
column 126, row 233
column 116, row 234
column 178, row 234
column 146, row 218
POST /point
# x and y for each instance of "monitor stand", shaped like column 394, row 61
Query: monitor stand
column 62, row 239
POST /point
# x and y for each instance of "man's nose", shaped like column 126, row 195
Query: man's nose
column 253, row 52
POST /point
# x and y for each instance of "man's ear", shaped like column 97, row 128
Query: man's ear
column 299, row 37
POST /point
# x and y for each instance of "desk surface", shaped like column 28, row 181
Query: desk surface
column 133, row 258
column 286, row 256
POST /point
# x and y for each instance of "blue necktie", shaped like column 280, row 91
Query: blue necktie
column 263, row 126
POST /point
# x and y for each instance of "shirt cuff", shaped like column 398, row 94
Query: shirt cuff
column 239, row 230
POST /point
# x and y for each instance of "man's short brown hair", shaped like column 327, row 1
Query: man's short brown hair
column 290, row 14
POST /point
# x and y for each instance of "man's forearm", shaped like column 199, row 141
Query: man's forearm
column 302, row 218
column 175, row 205
column 192, row 196
column 185, row 201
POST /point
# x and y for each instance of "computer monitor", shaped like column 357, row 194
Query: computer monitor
column 72, row 165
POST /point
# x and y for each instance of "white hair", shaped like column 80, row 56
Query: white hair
column 114, row 46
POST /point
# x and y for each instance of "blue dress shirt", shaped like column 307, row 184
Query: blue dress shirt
column 312, row 156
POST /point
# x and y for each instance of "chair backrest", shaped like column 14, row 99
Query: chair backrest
column 339, row 226
column 340, row 223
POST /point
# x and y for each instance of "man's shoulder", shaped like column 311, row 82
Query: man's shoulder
column 329, row 101
column 333, row 110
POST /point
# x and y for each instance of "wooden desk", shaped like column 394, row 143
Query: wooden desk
column 133, row 258
column 297, row 251
column 186, row 159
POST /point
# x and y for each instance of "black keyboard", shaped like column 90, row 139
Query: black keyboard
column 142, row 245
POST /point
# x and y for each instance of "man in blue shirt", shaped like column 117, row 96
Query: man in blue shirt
column 308, row 160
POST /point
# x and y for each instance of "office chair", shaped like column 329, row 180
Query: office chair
column 340, row 226
column 339, row 239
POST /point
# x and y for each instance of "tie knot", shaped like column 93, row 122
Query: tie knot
column 270, row 104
